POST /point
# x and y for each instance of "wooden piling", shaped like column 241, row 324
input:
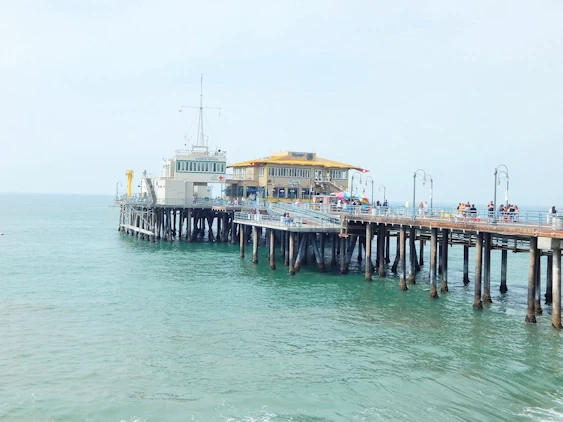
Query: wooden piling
column 549, row 281
column 317, row 252
column 503, row 267
column 301, row 250
column 421, row 252
column 412, row 265
column 291, row 245
column 272, row 252
column 539, row 309
column 368, row 269
column 334, row 246
column 466, row 265
column 395, row 265
column 343, row 242
column 477, row 301
column 286, row 248
column 254, row 245
column 387, row 248
column 233, row 230
column 556, row 289
column 487, row 268
column 381, row 248
column 402, row 259
column 531, row 308
column 242, row 239
column 444, row 283
column 433, row 261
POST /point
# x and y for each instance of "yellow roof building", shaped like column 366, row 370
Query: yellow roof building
column 288, row 175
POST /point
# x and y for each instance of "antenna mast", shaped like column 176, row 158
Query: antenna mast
column 200, row 138
column 201, row 141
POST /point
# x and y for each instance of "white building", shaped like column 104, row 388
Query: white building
column 186, row 177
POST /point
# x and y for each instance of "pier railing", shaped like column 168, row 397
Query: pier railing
column 536, row 219
column 295, row 221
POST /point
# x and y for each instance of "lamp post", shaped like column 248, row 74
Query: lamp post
column 369, row 177
column 384, row 191
column 497, row 181
column 352, row 187
column 504, row 175
column 414, row 188
column 428, row 175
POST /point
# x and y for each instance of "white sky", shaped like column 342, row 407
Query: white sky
column 89, row 89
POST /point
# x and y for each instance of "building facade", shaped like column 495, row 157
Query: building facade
column 287, row 175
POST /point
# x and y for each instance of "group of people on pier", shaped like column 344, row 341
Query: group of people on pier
column 467, row 211
column 422, row 208
column 505, row 212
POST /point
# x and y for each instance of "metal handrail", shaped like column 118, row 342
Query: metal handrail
column 281, row 221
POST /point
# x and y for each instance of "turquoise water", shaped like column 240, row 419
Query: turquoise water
column 98, row 326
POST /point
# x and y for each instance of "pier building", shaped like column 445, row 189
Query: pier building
column 186, row 177
column 287, row 175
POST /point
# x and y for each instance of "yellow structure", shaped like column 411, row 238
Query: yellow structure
column 289, row 175
column 129, row 174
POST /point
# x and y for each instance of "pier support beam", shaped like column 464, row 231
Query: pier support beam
column 254, row 245
column 189, row 226
column 272, row 252
column 412, row 256
column 556, row 285
column 395, row 265
column 402, row 258
column 477, row 302
column 343, row 242
column 387, row 248
column 421, row 252
column 368, row 269
column 381, row 249
column 291, row 253
column 466, row 265
column 433, row 262
column 549, row 281
column 333, row 247
column 539, row 310
column 317, row 252
column 531, row 309
column 242, row 239
column 444, row 284
column 503, row 267
column 487, row 269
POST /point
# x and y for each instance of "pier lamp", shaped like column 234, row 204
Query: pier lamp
column 429, row 176
column 503, row 173
column 384, row 191
column 423, row 173
column 371, row 178
column 352, row 187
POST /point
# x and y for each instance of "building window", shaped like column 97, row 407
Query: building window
column 260, row 171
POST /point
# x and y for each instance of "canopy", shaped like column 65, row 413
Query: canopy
column 341, row 195
column 347, row 195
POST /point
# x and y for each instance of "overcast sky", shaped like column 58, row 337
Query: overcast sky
column 89, row 89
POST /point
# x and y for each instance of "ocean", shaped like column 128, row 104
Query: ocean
column 99, row 326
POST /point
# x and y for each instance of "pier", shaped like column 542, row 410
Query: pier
column 329, row 236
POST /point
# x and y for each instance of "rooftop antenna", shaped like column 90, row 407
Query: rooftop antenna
column 201, row 140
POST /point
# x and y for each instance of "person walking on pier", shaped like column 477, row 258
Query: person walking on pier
column 551, row 214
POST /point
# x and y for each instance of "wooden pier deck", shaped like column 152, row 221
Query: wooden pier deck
column 336, row 235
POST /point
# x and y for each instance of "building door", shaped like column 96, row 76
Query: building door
column 318, row 175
